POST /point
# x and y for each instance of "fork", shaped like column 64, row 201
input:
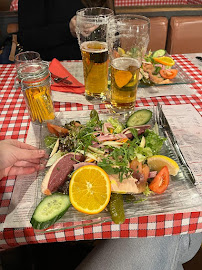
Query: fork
column 58, row 79
column 157, row 112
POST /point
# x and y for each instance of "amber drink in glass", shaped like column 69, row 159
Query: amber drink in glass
column 95, row 67
column 91, row 30
column 127, row 39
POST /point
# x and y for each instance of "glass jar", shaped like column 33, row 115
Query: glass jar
column 36, row 88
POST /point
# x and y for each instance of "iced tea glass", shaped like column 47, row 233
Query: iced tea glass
column 91, row 30
column 127, row 39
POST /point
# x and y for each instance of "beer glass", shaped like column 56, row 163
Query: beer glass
column 127, row 39
column 91, row 30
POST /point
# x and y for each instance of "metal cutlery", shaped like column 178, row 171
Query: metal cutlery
column 58, row 79
column 199, row 58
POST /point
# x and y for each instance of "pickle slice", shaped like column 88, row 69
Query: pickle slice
column 116, row 208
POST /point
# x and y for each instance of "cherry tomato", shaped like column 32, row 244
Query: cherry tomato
column 57, row 130
column 168, row 73
column 160, row 182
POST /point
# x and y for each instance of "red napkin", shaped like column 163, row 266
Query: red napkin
column 59, row 70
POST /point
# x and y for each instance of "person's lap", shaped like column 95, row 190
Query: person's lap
column 158, row 253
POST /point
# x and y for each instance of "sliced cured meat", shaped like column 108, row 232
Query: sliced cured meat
column 129, row 185
column 59, row 171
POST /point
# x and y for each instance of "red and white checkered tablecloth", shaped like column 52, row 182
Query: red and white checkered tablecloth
column 14, row 5
column 126, row 3
column 14, row 123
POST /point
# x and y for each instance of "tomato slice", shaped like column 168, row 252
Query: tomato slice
column 168, row 73
column 160, row 182
column 57, row 130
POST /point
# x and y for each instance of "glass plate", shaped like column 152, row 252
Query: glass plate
column 181, row 193
column 181, row 78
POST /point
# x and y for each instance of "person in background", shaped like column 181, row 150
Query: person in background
column 157, row 253
column 48, row 27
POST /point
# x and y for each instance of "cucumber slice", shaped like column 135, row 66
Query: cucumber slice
column 159, row 53
column 139, row 118
column 49, row 210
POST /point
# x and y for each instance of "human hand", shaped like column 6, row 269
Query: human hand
column 18, row 158
column 86, row 29
column 72, row 26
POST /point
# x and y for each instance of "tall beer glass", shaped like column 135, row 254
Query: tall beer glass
column 91, row 30
column 127, row 38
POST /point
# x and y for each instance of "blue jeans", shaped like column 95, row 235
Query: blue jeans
column 159, row 253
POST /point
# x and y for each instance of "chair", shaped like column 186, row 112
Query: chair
column 185, row 35
column 8, row 28
column 158, row 33
column 8, row 24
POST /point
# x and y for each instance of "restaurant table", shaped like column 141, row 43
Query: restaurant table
column 14, row 123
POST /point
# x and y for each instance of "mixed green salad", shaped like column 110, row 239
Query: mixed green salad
column 127, row 152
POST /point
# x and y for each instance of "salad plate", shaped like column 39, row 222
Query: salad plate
column 182, row 76
column 181, row 193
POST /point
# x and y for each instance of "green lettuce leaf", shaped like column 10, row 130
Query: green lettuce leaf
column 50, row 141
column 154, row 141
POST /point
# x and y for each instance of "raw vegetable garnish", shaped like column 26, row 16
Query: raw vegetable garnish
column 109, row 148
column 157, row 69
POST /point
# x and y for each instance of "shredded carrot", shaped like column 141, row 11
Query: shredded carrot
column 90, row 160
column 123, row 140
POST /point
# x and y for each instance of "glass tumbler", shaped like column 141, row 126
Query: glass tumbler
column 23, row 59
column 127, row 39
column 91, row 30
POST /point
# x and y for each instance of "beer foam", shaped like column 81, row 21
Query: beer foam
column 122, row 63
column 84, row 47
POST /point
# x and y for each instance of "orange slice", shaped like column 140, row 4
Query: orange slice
column 90, row 189
column 165, row 60
column 122, row 77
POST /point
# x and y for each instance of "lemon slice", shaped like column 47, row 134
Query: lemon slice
column 157, row 162
column 165, row 60
column 121, row 51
